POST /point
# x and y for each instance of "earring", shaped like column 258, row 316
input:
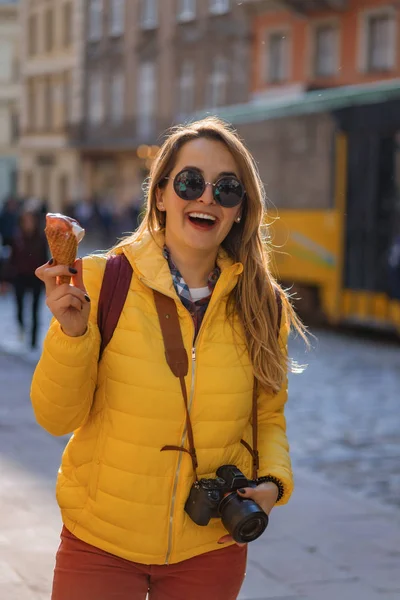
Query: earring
column 238, row 219
column 160, row 206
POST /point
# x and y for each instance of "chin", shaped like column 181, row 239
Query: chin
column 203, row 245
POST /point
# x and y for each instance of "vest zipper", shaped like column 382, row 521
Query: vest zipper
column 178, row 468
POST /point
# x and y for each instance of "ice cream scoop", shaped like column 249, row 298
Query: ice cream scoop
column 63, row 236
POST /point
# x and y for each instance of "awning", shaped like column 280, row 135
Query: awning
column 317, row 101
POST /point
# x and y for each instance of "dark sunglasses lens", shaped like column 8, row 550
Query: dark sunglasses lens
column 189, row 185
column 229, row 192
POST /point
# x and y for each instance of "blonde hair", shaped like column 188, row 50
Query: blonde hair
column 254, row 297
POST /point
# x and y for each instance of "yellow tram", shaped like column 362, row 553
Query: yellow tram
column 333, row 251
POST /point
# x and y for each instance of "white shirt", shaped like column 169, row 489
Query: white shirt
column 199, row 293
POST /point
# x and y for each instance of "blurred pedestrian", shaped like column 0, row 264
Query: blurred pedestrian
column 143, row 440
column 84, row 212
column 9, row 220
column 134, row 211
column 8, row 227
column 28, row 251
column 105, row 214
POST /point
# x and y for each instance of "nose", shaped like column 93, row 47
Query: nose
column 207, row 198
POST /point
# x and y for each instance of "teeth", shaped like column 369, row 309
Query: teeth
column 203, row 216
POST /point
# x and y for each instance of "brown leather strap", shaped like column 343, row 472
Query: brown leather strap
column 177, row 360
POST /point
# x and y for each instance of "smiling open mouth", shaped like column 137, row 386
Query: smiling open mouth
column 202, row 220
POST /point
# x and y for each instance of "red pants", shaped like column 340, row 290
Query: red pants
column 84, row 572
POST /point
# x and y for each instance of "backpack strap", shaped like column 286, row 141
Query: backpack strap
column 114, row 290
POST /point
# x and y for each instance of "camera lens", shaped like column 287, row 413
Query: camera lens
column 242, row 518
column 251, row 529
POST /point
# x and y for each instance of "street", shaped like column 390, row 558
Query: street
column 337, row 539
column 343, row 412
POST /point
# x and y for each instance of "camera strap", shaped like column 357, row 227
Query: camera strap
column 178, row 362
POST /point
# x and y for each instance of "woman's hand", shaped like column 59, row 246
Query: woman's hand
column 265, row 494
column 69, row 304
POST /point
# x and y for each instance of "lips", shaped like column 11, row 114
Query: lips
column 202, row 220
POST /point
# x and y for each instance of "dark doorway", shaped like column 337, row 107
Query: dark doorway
column 373, row 193
column 371, row 206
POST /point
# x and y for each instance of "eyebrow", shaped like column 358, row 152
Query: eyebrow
column 222, row 174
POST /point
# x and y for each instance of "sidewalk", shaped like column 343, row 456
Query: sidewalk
column 10, row 342
column 326, row 544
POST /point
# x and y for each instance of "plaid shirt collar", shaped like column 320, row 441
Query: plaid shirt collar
column 181, row 287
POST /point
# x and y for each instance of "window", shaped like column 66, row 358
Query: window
column 45, row 177
column 49, row 30
column 117, row 17
column 186, row 88
column 6, row 60
column 95, row 99
column 63, row 188
column 67, row 24
column 14, row 117
column 32, row 35
column 95, row 20
column 277, row 57
column 149, row 16
column 48, row 104
column 28, row 183
column 117, row 97
column 67, row 98
column 186, row 10
column 218, row 83
column 326, row 50
column 15, row 64
column 381, row 42
column 146, row 100
column 31, row 96
column 219, row 7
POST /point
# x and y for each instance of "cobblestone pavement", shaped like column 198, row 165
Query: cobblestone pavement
column 343, row 412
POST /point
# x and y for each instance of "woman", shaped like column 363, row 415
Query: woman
column 28, row 251
column 8, row 225
column 126, row 532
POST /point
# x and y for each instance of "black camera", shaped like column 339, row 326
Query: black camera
column 212, row 498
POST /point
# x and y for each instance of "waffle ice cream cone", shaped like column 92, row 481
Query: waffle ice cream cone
column 63, row 236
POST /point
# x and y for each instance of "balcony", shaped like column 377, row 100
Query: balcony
column 129, row 134
column 301, row 7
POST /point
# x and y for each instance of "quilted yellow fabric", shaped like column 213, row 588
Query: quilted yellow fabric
column 116, row 490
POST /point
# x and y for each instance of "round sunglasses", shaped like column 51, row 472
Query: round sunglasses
column 227, row 191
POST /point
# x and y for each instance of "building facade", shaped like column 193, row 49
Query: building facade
column 150, row 64
column 320, row 45
column 51, row 76
column 9, row 96
column 302, row 51
column 323, row 123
